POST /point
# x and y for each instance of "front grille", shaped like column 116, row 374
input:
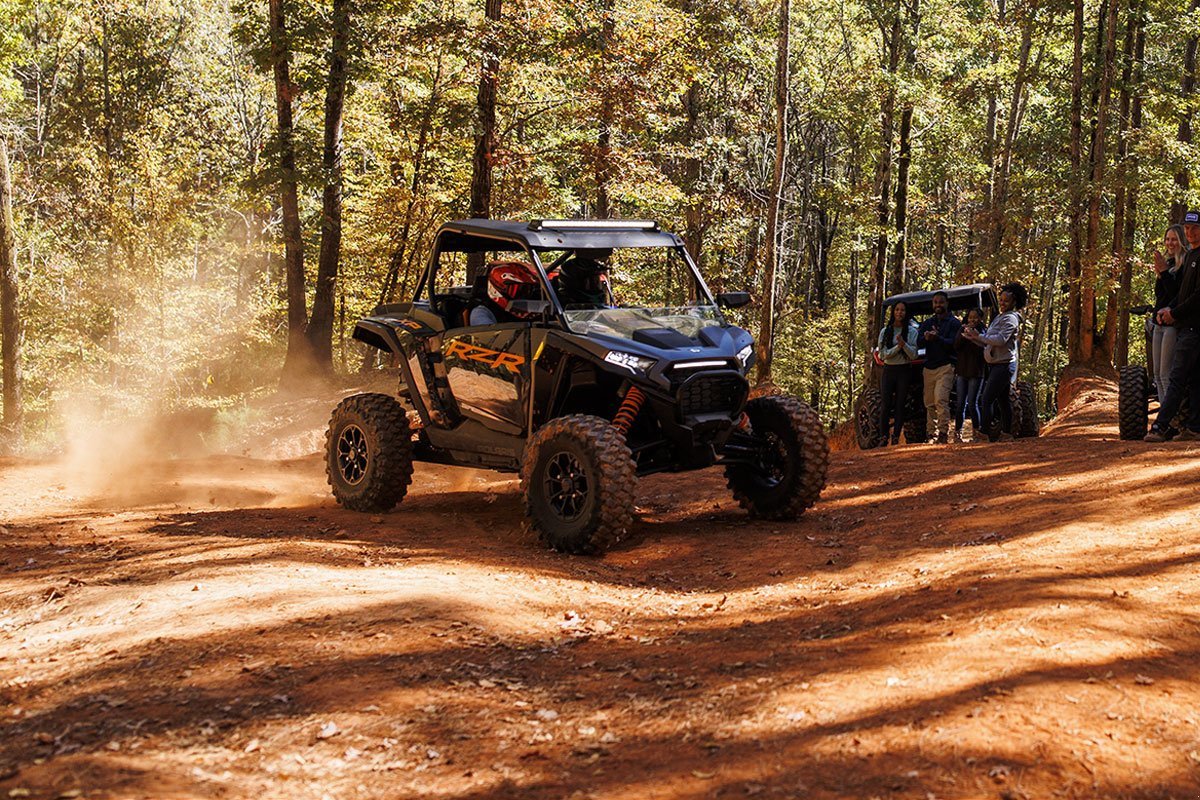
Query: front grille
column 710, row 394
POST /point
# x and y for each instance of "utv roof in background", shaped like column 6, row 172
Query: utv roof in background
column 477, row 235
column 953, row 293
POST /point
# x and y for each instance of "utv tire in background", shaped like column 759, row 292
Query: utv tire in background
column 1030, row 424
column 1133, row 403
column 916, row 430
column 1018, row 415
column 866, row 419
column 796, row 459
column 578, row 479
column 368, row 452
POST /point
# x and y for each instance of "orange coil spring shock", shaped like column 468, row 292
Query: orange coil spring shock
column 629, row 409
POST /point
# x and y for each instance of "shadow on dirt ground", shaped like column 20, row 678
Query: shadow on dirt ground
column 980, row 621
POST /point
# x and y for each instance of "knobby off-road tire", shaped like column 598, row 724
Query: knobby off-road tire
column 578, row 479
column 866, row 419
column 1031, row 423
column 1018, row 415
column 916, row 430
column 368, row 452
column 1133, row 403
column 797, row 462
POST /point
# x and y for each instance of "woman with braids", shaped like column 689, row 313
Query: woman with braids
column 897, row 349
column 1000, row 343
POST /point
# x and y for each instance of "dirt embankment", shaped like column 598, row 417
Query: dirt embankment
column 974, row 621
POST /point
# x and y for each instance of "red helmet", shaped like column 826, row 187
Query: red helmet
column 512, row 280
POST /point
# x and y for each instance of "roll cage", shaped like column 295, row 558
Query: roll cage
column 532, row 240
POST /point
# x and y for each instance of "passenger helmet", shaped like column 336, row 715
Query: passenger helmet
column 512, row 280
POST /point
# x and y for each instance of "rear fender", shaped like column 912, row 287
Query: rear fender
column 417, row 346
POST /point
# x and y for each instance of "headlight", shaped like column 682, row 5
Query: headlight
column 745, row 355
column 629, row 361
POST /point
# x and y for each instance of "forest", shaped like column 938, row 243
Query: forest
column 201, row 197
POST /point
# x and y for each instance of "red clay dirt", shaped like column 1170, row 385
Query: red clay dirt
column 1006, row 621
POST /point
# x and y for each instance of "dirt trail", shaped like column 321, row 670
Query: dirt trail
column 981, row 621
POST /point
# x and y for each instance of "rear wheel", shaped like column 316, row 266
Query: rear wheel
column 1018, row 415
column 1133, row 402
column 915, row 429
column 793, row 459
column 578, row 479
column 368, row 452
column 1030, row 424
column 866, row 419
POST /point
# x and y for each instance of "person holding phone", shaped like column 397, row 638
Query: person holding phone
column 1166, row 267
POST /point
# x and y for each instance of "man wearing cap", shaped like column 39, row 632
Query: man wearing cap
column 1184, row 314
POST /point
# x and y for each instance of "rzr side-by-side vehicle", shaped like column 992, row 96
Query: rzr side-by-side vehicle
column 501, row 368
column 1025, row 420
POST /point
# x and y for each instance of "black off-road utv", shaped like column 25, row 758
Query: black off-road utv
column 1025, row 421
column 579, row 398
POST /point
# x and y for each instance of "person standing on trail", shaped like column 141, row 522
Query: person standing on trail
column 897, row 349
column 1183, row 313
column 1000, row 342
column 968, row 376
column 1166, row 286
column 937, row 334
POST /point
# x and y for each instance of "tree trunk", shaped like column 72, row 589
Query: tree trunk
column 900, row 261
column 693, row 227
column 1000, row 192
column 1187, row 90
column 1116, row 321
column 10, row 313
column 320, row 325
column 1093, row 350
column 767, row 328
column 604, row 170
column 485, row 114
column 1075, row 203
column 298, row 361
column 891, row 33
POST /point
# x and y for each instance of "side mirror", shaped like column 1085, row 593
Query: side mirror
column 733, row 299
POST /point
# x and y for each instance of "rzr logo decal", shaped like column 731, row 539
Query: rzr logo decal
column 492, row 358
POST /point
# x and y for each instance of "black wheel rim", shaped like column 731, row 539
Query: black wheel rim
column 774, row 460
column 352, row 456
column 566, row 486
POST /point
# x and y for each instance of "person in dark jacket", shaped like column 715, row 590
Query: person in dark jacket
column 937, row 334
column 1000, row 342
column 968, row 376
column 1184, row 314
column 1166, row 286
column 897, row 350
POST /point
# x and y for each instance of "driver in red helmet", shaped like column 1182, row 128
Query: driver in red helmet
column 506, row 281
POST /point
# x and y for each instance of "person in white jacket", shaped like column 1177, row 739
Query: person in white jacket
column 1001, row 341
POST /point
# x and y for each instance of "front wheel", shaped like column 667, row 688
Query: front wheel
column 788, row 472
column 578, row 478
column 368, row 452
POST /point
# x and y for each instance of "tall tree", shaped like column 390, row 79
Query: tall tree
column 771, row 257
column 1184, row 135
column 320, row 324
column 10, row 313
column 485, row 114
column 298, row 360
column 890, row 33
column 912, row 35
